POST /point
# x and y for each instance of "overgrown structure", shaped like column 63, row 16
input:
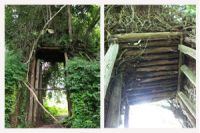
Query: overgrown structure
column 51, row 34
column 153, row 58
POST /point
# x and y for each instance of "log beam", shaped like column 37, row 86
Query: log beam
column 31, row 100
column 68, row 92
column 151, row 91
column 37, row 76
column 109, row 61
column 126, row 116
column 189, row 74
column 159, row 56
column 150, row 51
column 155, row 74
column 158, row 62
column 164, row 43
column 187, row 103
column 146, row 88
column 113, row 116
column 169, row 81
column 158, row 68
column 158, row 78
column 146, row 36
column 151, row 98
column 187, row 50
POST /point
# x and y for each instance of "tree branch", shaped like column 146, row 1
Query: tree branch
column 36, row 98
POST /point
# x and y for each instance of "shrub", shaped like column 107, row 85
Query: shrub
column 83, row 82
column 15, row 72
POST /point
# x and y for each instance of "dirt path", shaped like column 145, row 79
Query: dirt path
column 51, row 124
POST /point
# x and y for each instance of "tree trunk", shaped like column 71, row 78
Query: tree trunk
column 69, row 22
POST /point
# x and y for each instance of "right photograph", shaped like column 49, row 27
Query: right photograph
column 150, row 66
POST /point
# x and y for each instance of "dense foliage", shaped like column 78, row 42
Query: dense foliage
column 83, row 82
column 15, row 72
column 54, row 110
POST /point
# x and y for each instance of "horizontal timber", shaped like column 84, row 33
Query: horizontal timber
column 164, row 43
column 151, row 51
column 158, row 78
column 160, row 86
column 151, row 98
column 155, row 74
column 158, row 68
column 158, row 62
column 146, row 36
column 43, row 89
column 160, row 56
column 168, row 81
column 153, row 91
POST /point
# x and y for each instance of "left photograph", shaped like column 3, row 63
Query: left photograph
column 52, row 66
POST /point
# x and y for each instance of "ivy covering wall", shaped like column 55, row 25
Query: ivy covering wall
column 83, row 82
column 15, row 72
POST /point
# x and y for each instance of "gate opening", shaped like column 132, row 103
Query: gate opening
column 160, row 114
column 55, row 97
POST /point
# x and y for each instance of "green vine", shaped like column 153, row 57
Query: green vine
column 83, row 82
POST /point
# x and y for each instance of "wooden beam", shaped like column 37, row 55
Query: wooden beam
column 158, row 68
column 168, row 81
column 151, row 98
column 190, row 117
column 69, row 103
column 126, row 115
column 31, row 100
column 158, row 62
column 51, row 47
column 152, row 91
column 187, row 50
column 160, row 56
column 146, row 88
column 37, row 76
column 146, row 36
column 190, row 106
column 151, row 51
column 109, row 61
column 44, row 89
column 189, row 74
column 155, row 74
column 158, row 78
column 163, row 43
column 40, row 97
column 113, row 116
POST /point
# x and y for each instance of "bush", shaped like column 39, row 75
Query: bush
column 83, row 82
column 54, row 110
column 15, row 72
